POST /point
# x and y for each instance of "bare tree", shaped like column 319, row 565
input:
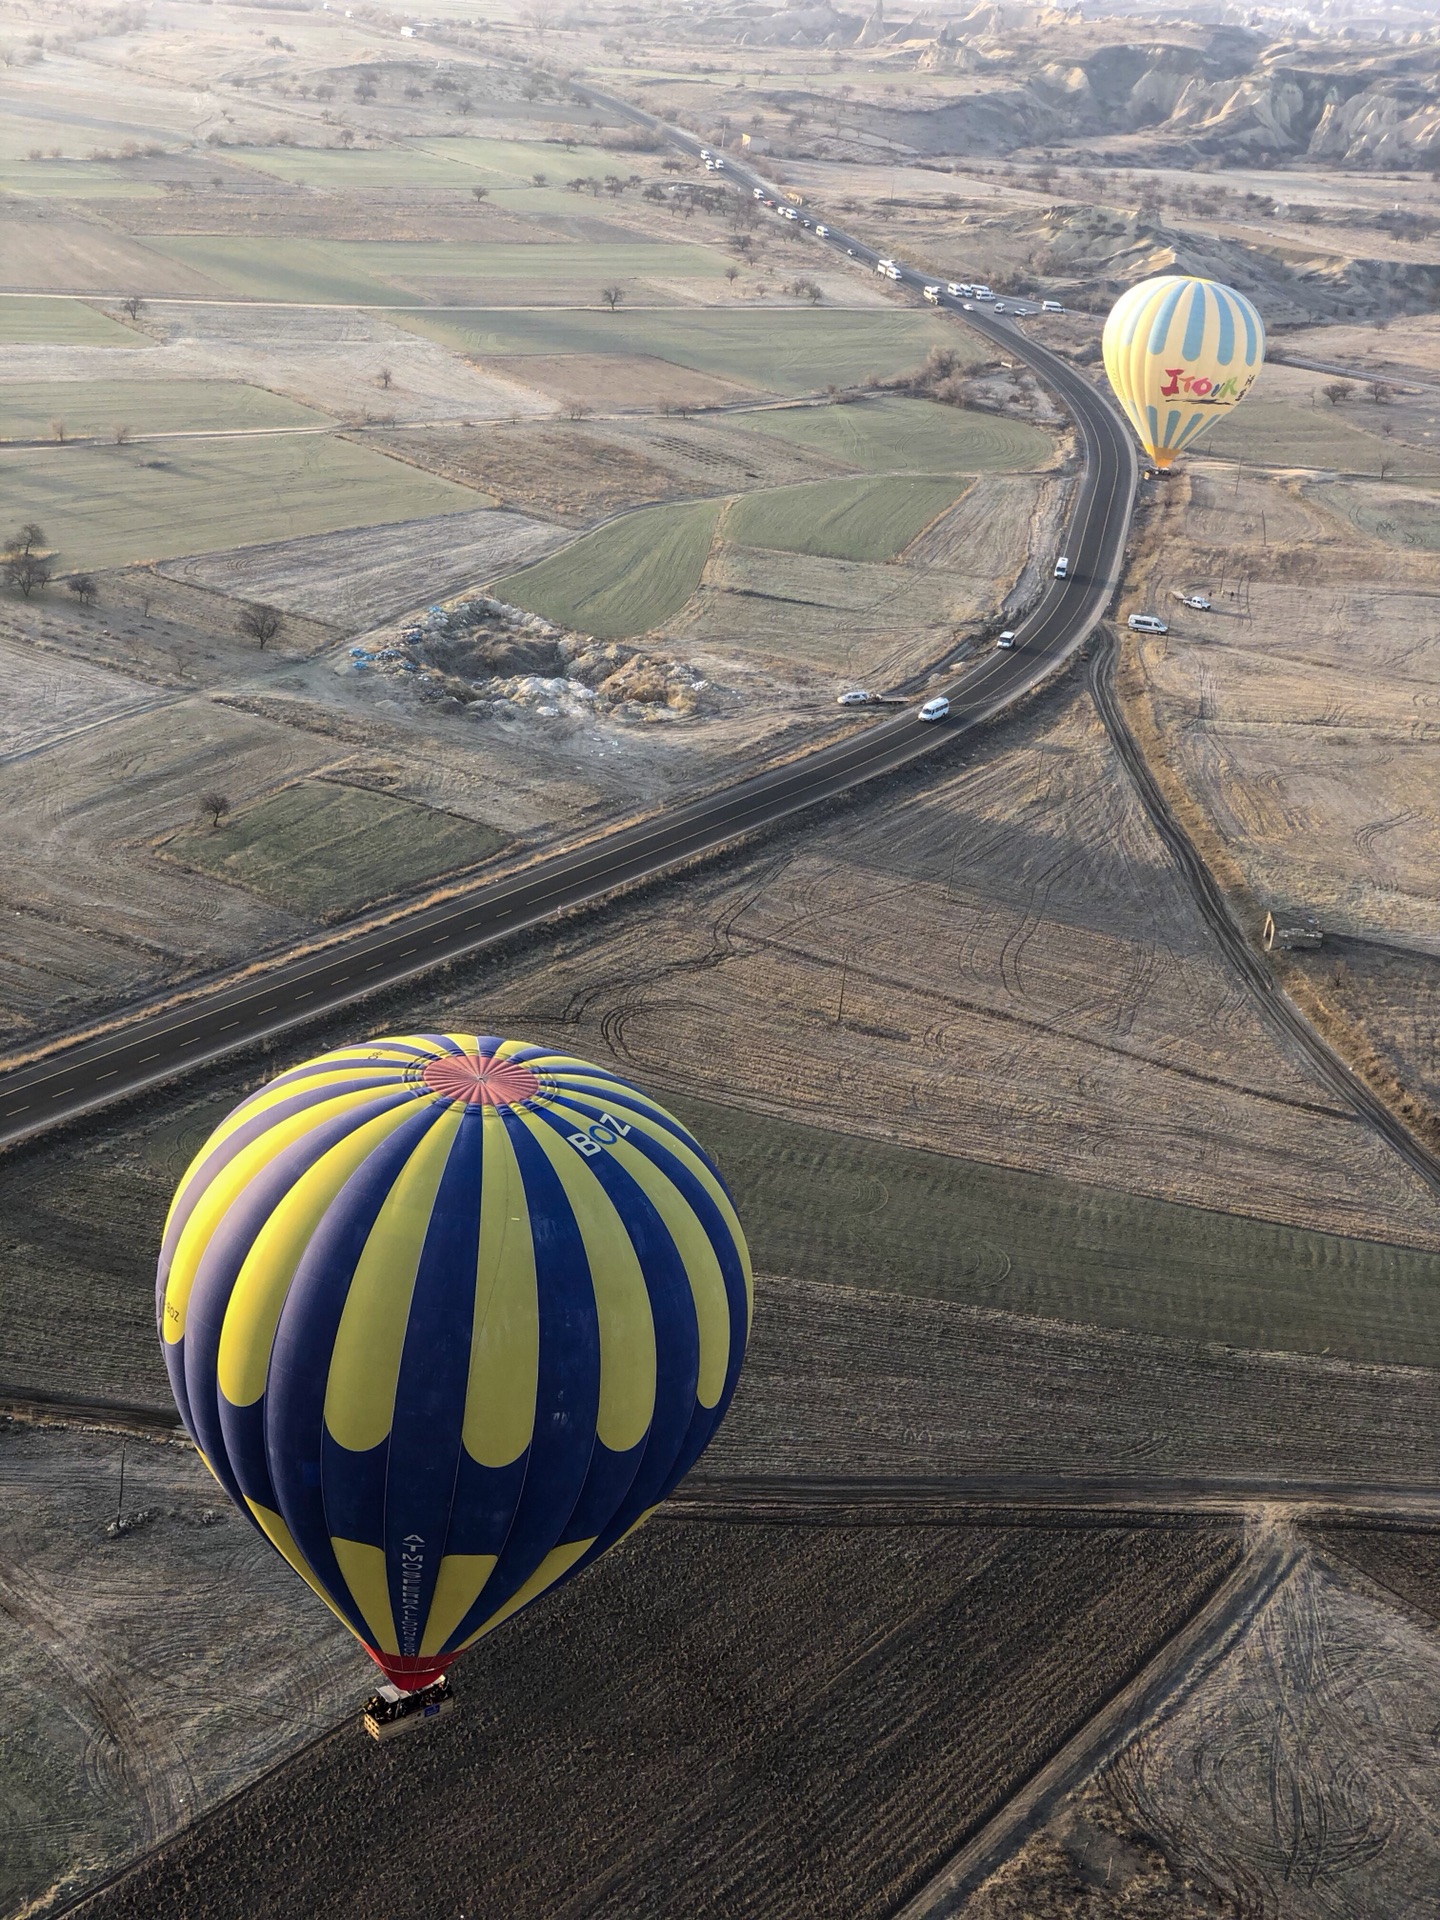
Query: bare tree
column 1336, row 391
column 732, row 274
column 132, row 306
column 27, row 572
column 216, row 804
column 481, row 193
column 385, row 378
column 83, row 586
column 57, row 427
column 1381, row 392
column 260, row 624
column 1387, row 466
column 612, row 296
column 539, row 179
column 30, row 537
column 122, row 435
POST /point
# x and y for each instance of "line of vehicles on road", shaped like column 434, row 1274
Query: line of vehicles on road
column 785, row 202
column 938, row 706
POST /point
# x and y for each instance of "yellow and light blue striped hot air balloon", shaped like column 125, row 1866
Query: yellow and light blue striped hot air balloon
column 1180, row 353
column 447, row 1315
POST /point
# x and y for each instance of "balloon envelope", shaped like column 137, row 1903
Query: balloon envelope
column 1180, row 353
column 447, row 1315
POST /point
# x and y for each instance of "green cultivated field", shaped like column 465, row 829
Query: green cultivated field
column 74, row 179
column 841, row 519
column 790, row 350
column 37, row 320
column 361, row 272
column 900, row 1220
column 323, row 850
column 626, row 578
column 906, row 436
column 27, row 408
column 1290, row 433
column 109, row 506
column 518, row 161
column 461, row 164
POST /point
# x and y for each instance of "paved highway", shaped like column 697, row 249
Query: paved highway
column 233, row 1012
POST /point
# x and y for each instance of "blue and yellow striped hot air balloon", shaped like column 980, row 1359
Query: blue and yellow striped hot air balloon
column 447, row 1316
column 1180, row 353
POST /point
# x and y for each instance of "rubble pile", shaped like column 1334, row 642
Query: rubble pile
column 491, row 658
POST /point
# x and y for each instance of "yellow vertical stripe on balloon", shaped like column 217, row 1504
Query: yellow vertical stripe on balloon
column 227, row 1186
column 505, row 1338
column 692, row 1161
column 556, row 1563
column 702, row 1268
column 365, row 1360
column 457, row 1588
column 315, row 1075
column 363, row 1568
column 256, row 1299
column 466, row 1042
column 279, row 1536
column 622, row 1301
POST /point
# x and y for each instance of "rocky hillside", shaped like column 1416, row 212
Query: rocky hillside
column 1094, row 253
column 1027, row 78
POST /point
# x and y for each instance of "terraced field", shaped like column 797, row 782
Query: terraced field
column 865, row 520
column 626, row 578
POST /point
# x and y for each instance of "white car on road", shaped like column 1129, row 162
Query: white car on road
column 1062, row 567
column 936, row 709
column 1006, row 640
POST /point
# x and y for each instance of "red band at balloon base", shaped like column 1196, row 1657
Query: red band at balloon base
column 411, row 1672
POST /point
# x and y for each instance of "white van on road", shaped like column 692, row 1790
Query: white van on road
column 936, row 709
column 1147, row 623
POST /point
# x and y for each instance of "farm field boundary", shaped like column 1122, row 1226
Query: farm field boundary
column 1192, row 1649
column 962, row 1499
column 902, row 1220
column 1276, row 1007
column 626, row 577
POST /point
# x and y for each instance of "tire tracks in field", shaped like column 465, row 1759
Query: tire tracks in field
column 1191, row 1650
column 962, row 1499
column 150, row 1761
column 1276, row 1008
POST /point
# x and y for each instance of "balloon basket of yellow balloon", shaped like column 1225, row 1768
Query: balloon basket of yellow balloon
column 392, row 1711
